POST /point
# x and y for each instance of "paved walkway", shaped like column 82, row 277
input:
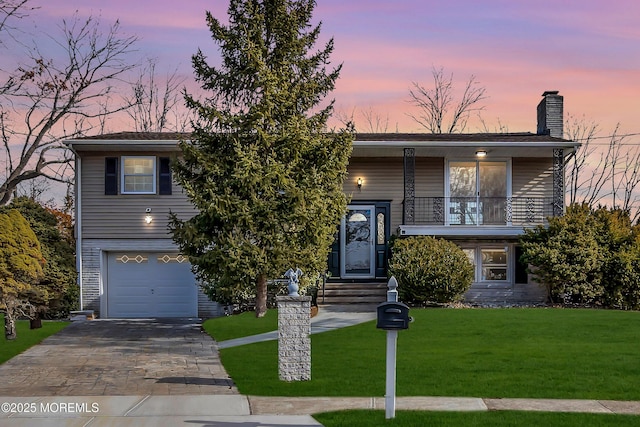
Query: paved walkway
column 327, row 319
column 168, row 373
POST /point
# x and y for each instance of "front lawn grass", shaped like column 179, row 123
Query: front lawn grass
column 476, row 419
column 241, row 325
column 492, row 353
column 26, row 337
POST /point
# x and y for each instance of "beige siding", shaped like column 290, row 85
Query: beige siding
column 382, row 181
column 532, row 177
column 429, row 177
column 122, row 216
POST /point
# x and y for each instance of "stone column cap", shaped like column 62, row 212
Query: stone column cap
column 285, row 298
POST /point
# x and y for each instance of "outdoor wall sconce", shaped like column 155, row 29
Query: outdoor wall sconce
column 359, row 183
column 148, row 218
column 481, row 153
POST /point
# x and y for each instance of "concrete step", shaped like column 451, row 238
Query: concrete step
column 338, row 293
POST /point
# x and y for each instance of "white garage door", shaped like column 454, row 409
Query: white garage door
column 150, row 285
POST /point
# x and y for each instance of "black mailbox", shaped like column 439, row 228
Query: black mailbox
column 393, row 315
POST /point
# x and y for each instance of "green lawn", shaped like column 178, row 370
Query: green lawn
column 241, row 325
column 537, row 353
column 476, row 419
column 26, row 337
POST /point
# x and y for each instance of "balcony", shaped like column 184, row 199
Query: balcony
column 478, row 211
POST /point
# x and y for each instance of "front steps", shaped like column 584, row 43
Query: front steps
column 353, row 293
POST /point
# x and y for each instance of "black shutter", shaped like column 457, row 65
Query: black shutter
column 165, row 176
column 111, row 176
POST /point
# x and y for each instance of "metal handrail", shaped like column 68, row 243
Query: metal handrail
column 480, row 211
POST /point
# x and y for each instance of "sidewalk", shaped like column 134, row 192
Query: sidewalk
column 151, row 411
column 238, row 410
column 311, row 405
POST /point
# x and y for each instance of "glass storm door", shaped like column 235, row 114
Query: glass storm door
column 357, row 242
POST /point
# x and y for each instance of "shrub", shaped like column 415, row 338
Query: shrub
column 624, row 283
column 430, row 270
column 588, row 256
column 568, row 256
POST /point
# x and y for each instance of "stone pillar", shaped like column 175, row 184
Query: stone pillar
column 294, row 343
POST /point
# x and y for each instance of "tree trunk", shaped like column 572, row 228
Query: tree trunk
column 261, row 296
column 35, row 323
column 9, row 326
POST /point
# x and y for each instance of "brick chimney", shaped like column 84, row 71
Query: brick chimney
column 550, row 114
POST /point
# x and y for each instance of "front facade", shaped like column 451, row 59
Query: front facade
column 128, row 265
column 480, row 190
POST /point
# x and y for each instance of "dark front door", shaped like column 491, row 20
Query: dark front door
column 361, row 245
column 357, row 248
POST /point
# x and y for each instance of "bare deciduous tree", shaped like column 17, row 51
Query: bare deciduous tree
column 374, row 122
column 11, row 9
column 155, row 102
column 57, row 98
column 603, row 174
column 579, row 179
column 439, row 111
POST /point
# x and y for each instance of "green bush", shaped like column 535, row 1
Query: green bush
column 567, row 256
column 587, row 257
column 430, row 270
column 624, row 283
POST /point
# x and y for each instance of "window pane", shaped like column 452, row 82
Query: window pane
column 494, row 264
column 471, row 255
column 462, row 179
column 138, row 174
column 380, row 229
column 462, row 192
column 138, row 184
column 493, row 179
column 137, row 166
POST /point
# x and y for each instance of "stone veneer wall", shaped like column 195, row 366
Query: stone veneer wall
column 91, row 279
column 208, row 308
column 294, row 343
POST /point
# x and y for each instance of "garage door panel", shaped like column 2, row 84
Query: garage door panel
column 130, row 309
column 150, row 285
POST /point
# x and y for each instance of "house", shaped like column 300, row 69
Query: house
column 479, row 190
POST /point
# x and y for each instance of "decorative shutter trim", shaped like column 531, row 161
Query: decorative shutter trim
column 111, row 176
column 165, row 176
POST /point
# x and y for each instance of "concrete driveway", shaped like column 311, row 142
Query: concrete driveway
column 120, row 358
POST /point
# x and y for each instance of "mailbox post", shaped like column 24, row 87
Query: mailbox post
column 392, row 316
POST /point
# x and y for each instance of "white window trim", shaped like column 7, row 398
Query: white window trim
column 511, row 265
column 154, row 169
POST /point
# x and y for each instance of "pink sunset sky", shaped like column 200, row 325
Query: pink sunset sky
column 589, row 50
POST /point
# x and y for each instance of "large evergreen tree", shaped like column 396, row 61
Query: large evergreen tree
column 20, row 267
column 57, row 293
column 261, row 167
